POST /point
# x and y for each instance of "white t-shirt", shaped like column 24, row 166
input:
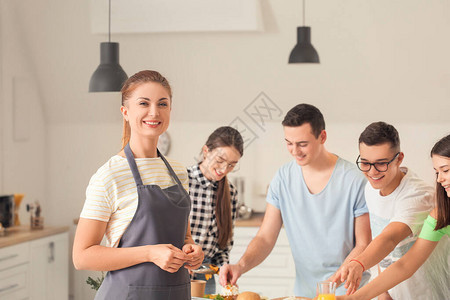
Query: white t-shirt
column 410, row 203
column 111, row 195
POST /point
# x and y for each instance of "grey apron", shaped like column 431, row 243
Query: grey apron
column 161, row 218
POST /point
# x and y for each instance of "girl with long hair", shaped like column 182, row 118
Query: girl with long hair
column 214, row 198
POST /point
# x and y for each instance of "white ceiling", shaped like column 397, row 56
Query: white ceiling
column 379, row 60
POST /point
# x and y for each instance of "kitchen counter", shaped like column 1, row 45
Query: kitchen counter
column 254, row 221
column 19, row 234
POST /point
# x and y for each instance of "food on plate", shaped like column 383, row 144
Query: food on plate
column 248, row 296
column 208, row 270
column 215, row 297
column 229, row 292
column 215, row 269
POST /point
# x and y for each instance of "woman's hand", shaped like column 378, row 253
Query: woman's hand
column 194, row 256
column 167, row 257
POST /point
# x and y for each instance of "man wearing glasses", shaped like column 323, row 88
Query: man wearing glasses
column 398, row 203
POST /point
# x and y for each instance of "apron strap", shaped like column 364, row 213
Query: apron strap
column 171, row 171
column 135, row 171
column 132, row 164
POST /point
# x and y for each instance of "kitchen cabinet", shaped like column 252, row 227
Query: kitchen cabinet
column 49, row 268
column 34, row 265
column 275, row 276
column 14, row 272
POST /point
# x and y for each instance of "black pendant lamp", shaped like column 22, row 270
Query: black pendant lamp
column 109, row 75
column 304, row 51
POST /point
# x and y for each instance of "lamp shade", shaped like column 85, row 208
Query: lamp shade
column 304, row 51
column 109, row 75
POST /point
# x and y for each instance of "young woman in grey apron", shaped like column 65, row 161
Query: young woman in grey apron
column 161, row 218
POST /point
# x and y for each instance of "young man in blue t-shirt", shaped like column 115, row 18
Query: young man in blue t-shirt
column 319, row 197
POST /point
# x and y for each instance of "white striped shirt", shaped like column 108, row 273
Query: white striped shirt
column 111, row 195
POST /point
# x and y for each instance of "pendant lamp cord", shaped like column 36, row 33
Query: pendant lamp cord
column 303, row 13
column 109, row 23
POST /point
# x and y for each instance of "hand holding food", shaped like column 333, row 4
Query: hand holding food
column 229, row 274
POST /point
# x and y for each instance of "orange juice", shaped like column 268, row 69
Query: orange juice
column 326, row 297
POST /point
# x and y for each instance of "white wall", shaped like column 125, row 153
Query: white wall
column 263, row 157
column 23, row 166
column 380, row 60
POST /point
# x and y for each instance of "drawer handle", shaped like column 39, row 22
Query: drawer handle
column 51, row 249
column 9, row 287
column 9, row 257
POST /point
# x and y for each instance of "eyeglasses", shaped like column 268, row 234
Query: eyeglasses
column 379, row 166
column 220, row 161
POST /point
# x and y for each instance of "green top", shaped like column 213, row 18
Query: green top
column 428, row 232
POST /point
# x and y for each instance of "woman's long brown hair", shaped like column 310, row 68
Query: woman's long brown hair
column 442, row 148
column 225, row 136
column 128, row 88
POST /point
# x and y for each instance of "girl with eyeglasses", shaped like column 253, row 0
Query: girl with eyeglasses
column 214, row 198
column 435, row 229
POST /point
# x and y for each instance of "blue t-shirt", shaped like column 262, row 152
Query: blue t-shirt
column 320, row 227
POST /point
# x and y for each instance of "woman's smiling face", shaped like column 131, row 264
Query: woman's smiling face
column 148, row 110
column 218, row 162
column 441, row 165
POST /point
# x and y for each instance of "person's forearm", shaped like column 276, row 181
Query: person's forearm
column 101, row 258
column 374, row 253
column 398, row 271
column 392, row 276
column 354, row 253
column 189, row 240
column 256, row 252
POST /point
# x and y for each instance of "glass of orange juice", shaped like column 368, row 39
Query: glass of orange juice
column 326, row 290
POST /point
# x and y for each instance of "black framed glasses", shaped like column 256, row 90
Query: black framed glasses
column 379, row 166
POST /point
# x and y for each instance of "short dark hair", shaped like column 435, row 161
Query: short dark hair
column 379, row 133
column 305, row 113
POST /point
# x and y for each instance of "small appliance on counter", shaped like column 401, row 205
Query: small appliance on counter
column 6, row 211
column 244, row 212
